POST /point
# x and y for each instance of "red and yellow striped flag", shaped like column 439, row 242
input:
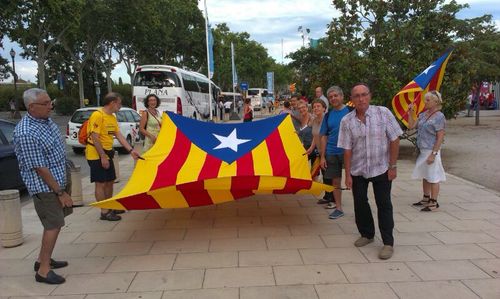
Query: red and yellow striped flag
column 197, row 163
column 428, row 80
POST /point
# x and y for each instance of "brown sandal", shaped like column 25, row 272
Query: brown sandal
column 431, row 206
column 423, row 202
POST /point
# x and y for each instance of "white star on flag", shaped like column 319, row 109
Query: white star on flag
column 428, row 69
column 230, row 141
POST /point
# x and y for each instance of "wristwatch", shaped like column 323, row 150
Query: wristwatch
column 434, row 153
column 393, row 166
column 60, row 192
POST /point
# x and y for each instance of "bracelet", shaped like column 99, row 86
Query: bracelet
column 130, row 150
column 393, row 166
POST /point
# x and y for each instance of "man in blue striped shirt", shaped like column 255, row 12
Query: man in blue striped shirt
column 39, row 148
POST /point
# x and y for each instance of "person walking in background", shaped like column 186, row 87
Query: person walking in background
column 332, row 155
column 247, row 111
column 318, row 94
column 12, row 107
column 99, row 152
column 150, row 123
column 39, row 148
column 369, row 136
column 227, row 109
column 221, row 108
column 430, row 135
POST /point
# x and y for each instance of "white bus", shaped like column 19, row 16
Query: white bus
column 180, row 91
column 257, row 97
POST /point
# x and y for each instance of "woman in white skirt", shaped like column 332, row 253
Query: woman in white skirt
column 430, row 135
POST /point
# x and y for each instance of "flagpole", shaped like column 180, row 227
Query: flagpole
column 232, row 68
column 208, row 62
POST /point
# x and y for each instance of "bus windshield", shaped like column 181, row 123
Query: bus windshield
column 156, row 79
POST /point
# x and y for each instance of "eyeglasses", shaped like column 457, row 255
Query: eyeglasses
column 358, row 96
column 42, row 104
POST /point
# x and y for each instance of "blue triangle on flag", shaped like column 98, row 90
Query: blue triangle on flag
column 230, row 141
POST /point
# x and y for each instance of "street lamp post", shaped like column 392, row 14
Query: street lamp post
column 97, row 92
column 12, row 55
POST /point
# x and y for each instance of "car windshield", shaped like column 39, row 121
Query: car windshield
column 156, row 79
column 7, row 130
column 253, row 92
column 80, row 116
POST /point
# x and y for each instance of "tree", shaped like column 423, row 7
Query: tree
column 387, row 43
column 38, row 25
column 5, row 69
column 251, row 59
column 159, row 32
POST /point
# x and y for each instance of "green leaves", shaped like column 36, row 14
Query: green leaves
column 387, row 43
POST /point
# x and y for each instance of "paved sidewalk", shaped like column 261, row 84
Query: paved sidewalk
column 269, row 247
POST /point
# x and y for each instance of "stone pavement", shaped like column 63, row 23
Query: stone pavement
column 269, row 247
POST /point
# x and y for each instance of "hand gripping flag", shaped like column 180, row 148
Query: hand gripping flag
column 196, row 163
column 413, row 92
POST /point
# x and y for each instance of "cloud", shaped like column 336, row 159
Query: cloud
column 270, row 22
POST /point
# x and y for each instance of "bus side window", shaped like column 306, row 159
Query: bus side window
column 190, row 83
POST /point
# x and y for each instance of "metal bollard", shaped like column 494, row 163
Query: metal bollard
column 116, row 162
column 76, row 186
column 11, row 224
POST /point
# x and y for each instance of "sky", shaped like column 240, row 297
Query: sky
column 274, row 24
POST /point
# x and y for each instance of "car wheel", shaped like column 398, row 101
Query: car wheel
column 78, row 150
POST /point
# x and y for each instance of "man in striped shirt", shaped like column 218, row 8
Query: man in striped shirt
column 369, row 136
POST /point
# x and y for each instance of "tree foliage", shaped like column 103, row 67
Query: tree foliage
column 387, row 43
column 251, row 59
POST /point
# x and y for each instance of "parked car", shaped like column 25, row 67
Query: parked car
column 128, row 121
column 10, row 177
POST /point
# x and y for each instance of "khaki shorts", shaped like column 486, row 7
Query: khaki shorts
column 334, row 164
column 49, row 210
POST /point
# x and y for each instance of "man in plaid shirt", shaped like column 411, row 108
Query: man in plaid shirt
column 39, row 148
column 369, row 136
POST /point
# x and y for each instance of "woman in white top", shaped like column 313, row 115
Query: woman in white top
column 150, row 123
column 430, row 135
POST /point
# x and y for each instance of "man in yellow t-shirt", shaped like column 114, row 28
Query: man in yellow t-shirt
column 102, row 129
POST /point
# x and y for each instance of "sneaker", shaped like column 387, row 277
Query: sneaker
column 386, row 252
column 110, row 216
column 118, row 212
column 331, row 205
column 336, row 214
column 362, row 241
column 328, row 197
column 323, row 201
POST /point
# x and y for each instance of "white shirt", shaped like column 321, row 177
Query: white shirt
column 369, row 141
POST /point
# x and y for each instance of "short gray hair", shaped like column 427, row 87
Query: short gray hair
column 336, row 89
column 30, row 95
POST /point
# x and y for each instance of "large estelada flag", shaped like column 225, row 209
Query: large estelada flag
column 196, row 163
column 428, row 80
